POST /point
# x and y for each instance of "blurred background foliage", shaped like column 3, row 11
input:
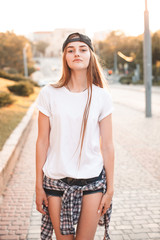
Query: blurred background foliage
column 11, row 53
column 131, row 46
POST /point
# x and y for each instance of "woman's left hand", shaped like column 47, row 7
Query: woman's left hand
column 105, row 203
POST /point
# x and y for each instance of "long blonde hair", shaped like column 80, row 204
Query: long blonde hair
column 94, row 75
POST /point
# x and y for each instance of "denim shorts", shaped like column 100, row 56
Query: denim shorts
column 77, row 182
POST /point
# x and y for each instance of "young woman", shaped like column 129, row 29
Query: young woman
column 74, row 148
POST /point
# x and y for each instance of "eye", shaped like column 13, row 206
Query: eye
column 70, row 51
column 84, row 50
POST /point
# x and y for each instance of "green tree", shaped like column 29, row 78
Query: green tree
column 11, row 51
column 117, row 41
column 156, row 47
column 156, row 56
column 129, row 46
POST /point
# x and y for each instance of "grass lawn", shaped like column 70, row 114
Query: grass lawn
column 11, row 115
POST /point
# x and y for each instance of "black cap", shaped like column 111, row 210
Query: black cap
column 74, row 37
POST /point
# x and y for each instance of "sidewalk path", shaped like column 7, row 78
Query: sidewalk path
column 134, row 97
column 142, row 135
column 17, row 203
column 136, row 203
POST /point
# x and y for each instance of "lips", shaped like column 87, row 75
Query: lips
column 77, row 60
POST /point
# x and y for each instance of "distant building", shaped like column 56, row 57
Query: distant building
column 55, row 40
column 100, row 36
column 42, row 36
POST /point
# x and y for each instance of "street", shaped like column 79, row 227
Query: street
column 49, row 70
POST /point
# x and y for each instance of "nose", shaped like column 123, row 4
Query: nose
column 76, row 52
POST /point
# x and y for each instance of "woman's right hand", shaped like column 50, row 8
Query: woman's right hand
column 40, row 198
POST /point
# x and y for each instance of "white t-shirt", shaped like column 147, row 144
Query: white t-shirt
column 65, row 111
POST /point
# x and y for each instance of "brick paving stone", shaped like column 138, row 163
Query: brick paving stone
column 3, row 232
column 156, row 220
column 33, row 236
column 23, row 237
column 115, row 237
column 139, row 236
column 140, row 230
column 11, row 237
column 117, row 232
column 154, row 235
column 126, row 237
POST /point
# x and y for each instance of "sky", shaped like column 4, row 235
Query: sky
column 27, row 16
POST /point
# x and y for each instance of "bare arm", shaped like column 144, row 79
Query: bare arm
column 107, row 150
column 42, row 144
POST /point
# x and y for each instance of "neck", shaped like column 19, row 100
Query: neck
column 78, row 80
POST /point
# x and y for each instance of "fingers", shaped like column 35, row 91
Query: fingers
column 104, row 206
column 101, row 206
column 39, row 204
column 104, row 210
column 40, row 209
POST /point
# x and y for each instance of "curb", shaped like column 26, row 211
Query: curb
column 139, row 88
column 12, row 149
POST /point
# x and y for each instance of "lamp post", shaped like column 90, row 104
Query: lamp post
column 25, row 60
column 115, row 63
column 147, row 63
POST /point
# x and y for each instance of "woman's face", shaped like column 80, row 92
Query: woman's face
column 77, row 55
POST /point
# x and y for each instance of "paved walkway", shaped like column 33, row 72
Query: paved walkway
column 136, row 205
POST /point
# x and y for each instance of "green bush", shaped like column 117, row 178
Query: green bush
column 12, row 71
column 16, row 78
column 22, row 88
column 126, row 80
column 33, row 83
column 140, row 82
column 5, row 99
column 156, row 81
column 31, row 70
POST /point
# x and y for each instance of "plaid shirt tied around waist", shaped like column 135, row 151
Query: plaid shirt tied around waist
column 71, row 207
